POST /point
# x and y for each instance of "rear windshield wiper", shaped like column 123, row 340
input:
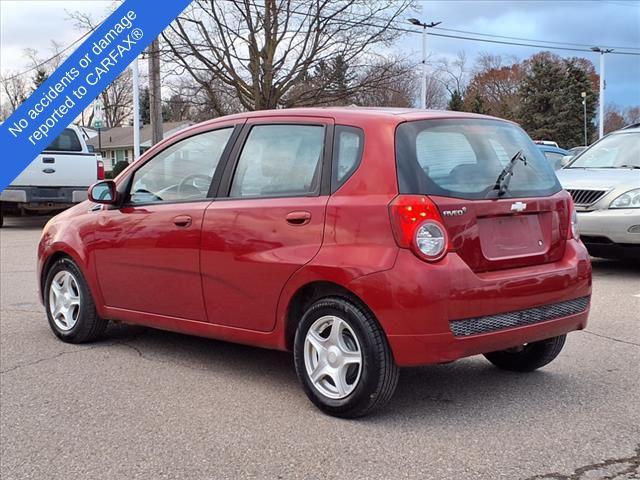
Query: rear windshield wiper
column 502, row 182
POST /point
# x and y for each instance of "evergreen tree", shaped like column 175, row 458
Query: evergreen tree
column 456, row 102
column 145, row 107
column 551, row 103
column 570, row 128
column 39, row 78
column 340, row 79
column 477, row 105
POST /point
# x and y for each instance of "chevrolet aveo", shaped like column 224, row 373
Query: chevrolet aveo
column 363, row 240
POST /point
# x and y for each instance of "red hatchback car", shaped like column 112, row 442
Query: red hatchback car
column 362, row 239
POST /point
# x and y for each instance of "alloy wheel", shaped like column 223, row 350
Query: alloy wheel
column 64, row 300
column 332, row 357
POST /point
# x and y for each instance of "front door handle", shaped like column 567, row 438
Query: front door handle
column 298, row 218
column 182, row 221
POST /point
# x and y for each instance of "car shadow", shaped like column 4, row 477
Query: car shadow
column 605, row 267
column 438, row 393
column 34, row 222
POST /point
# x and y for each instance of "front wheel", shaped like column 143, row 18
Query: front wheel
column 70, row 309
column 528, row 357
column 343, row 360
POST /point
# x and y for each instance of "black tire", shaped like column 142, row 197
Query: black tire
column 529, row 357
column 1, row 215
column 378, row 374
column 88, row 326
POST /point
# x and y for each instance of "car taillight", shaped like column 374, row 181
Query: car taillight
column 574, row 232
column 417, row 225
column 100, row 170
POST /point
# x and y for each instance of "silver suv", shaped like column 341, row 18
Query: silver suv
column 604, row 182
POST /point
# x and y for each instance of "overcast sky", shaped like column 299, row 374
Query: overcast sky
column 32, row 24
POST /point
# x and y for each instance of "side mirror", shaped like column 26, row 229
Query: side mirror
column 91, row 148
column 104, row 192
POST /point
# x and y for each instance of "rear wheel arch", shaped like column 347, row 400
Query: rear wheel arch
column 307, row 295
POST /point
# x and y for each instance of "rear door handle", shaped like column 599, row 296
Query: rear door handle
column 48, row 160
column 298, row 218
column 182, row 221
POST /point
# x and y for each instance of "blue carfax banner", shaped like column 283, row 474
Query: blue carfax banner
column 79, row 80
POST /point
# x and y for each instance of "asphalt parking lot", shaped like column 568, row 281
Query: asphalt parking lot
column 149, row 404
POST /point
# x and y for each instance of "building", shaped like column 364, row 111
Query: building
column 116, row 144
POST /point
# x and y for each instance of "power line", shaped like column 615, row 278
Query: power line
column 459, row 37
column 532, row 39
column 567, row 45
column 44, row 62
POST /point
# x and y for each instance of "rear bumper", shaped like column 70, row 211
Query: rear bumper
column 44, row 195
column 416, row 302
column 413, row 350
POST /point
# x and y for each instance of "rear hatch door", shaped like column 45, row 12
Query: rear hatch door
column 506, row 233
column 500, row 199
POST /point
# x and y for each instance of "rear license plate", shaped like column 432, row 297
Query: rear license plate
column 512, row 236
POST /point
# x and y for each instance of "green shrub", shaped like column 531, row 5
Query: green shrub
column 117, row 168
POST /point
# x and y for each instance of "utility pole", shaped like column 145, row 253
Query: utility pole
column 423, row 89
column 584, row 108
column 155, row 98
column 136, row 109
column 602, row 52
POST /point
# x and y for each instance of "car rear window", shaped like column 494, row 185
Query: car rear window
column 67, row 141
column 463, row 158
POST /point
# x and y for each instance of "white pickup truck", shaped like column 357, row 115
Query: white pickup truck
column 56, row 179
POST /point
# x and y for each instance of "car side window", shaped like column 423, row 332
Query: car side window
column 182, row 172
column 348, row 143
column 280, row 161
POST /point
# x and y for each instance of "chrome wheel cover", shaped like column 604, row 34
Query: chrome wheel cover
column 332, row 357
column 64, row 300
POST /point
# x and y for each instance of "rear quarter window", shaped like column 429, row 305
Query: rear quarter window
column 67, row 141
column 348, row 143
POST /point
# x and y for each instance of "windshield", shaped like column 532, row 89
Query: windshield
column 613, row 151
column 463, row 158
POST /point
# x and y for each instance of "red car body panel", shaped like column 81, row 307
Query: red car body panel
column 233, row 272
column 249, row 251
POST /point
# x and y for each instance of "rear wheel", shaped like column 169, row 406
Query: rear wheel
column 343, row 360
column 528, row 357
column 70, row 309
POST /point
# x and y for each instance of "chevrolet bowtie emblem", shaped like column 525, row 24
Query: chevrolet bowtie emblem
column 518, row 207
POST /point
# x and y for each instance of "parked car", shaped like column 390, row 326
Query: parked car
column 605, row 184
column 58, row 178
column 546, row 142
column 575, row 151
column 555, row 155
column 362, row 239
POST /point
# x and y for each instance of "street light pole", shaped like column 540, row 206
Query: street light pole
column 584, row 108
column 602, row 52
column 423, row 87
column 136, row 109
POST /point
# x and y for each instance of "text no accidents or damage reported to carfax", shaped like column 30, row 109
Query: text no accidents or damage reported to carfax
column 99, row 60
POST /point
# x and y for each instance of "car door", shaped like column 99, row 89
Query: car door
column 148, row 254
column 267, row 220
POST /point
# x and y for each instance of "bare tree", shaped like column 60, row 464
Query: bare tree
column 613, row 118
column 394, row 85
column 632, row 115
column 13, row 91
column 264, row 52
column 452, row 73
column 495, row 84
column 117, row 98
